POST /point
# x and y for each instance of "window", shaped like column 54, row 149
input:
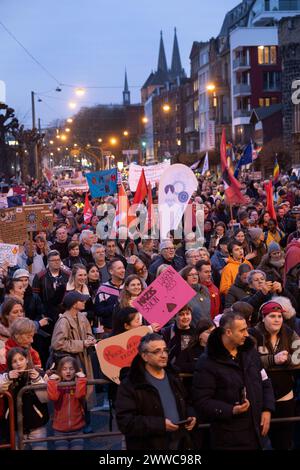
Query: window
column 267, row 55
column 196, row 123
column 272, row 80
column 203, row 58
column 267, row 101
column 202, row 121
column 196, row 105
column 202, row 100
column 196, row 85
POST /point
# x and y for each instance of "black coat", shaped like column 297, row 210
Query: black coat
column 218, row 383
column 139, row 411
column 237, row 292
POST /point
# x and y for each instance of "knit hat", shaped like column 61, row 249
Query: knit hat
column 255, row 233
column 72, row 297
column 273, row 247
column 270, row 307
column 20, row 273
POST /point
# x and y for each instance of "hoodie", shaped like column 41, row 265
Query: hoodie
column 230, row 272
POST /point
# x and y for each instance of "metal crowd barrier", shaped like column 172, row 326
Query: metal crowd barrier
column 25, row 389
column 95, row 435
column 12, row 434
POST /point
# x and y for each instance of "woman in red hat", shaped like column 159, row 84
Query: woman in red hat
column 277, row 345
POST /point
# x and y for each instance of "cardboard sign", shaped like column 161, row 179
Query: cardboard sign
column 38, row 217
column 118, row 351
column 164, row 297
column 8, row 254
column 13, row 226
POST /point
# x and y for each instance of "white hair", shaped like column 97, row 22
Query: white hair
column 289, row 311
column 84, row 234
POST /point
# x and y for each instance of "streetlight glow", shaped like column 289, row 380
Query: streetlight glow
column 51, row 142
column 99, row 140
column 80, row 91
column 113, row 141
column 211, row 87
column 126, row 133
column 72, row 105
column 166, row 108
column 63, row 137
column 120, row 166
column 69, row 120
column 67, row 129
column 145, row 120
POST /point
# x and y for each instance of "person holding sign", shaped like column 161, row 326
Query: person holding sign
column 151, row 407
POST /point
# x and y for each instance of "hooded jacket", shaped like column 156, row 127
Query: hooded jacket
column 139, row 410
column 218, row 383
column 68, row 405
column 236, row 292
column 229, row 274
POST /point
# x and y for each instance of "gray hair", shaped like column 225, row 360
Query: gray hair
column 227, row 319
column 143, row 346
column 22, row 326
column 84, row 233
column 189, row 252
column 95, row 247
column 252, row 273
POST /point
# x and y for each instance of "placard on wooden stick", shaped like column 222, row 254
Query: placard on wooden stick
column 13, row 226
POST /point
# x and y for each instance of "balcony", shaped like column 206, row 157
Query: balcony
column 241, row 113
column 281, row 9
column 241, row 63
column 242, row 89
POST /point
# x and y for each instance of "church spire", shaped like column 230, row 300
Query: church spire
column 126, row 92
column 162, row 61
column 176, row 67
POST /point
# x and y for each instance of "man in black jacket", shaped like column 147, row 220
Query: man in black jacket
column 231, row 390
column 151, row 402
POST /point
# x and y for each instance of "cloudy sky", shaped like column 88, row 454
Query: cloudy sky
column 89, row 43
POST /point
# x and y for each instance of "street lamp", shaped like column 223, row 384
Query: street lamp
column 113, row 141
column 120, row 166
column 145, row 120
column 72, row 105
column 69, row 120
column 211, row 87
column 80, row 91
column 126, row 133
column 166, row 108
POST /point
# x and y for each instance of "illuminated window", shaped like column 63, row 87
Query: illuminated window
column 267, row 55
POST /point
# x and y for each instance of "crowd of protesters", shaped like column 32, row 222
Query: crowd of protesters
column 229, row 357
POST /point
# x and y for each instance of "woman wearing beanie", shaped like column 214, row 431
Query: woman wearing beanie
column 273, row 263
column 276, row 344
column 240, row 288
column 257, row 245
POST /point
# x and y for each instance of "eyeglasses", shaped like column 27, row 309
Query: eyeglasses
column 169, row 249
column 158, row 352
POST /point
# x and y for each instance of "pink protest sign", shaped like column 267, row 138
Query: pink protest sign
column 164, row 297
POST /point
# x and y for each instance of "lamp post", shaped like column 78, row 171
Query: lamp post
column 35, row 149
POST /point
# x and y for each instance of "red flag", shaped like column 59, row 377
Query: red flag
column 122, row 208
column 270, row 204
column 141, row 190
column 87, row 211
column 232, row 185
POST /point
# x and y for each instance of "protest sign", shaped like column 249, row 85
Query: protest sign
column 8, row 254
column 176, row 187
column 13, row 226
column 152, row 174
column 38, row 217
column 118, row 351
column 77, row 182
column 102, row 183
column 164, row 297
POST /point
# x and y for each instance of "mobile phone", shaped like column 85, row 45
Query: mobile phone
column 184, row 421
column 236, row 226
column 243, row 395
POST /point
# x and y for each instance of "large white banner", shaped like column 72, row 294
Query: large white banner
column 152, row 173
column 8, row 254
column 176, row 187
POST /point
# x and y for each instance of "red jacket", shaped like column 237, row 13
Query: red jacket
column 215, row 302
column 10, row 343
column 68, row 407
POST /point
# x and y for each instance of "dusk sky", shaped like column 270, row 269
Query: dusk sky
column 89, row 43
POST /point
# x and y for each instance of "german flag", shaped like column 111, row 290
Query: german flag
column 276, row 172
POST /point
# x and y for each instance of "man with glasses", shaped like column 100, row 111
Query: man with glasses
column 167, row 256
column 151, row 408
column 50, row 285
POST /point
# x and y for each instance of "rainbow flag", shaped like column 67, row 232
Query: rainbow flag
column 276, row 172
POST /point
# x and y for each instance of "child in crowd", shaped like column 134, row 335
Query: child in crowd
column 20, row 372
column 69, row 415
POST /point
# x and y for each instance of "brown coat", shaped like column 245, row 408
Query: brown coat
column 69, row 335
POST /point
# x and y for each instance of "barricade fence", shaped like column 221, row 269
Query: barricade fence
column 11, row 416
column 22, row 442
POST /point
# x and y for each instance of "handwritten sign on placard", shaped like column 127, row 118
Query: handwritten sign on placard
column 8, row 254
column 164, row 297
column 13, row 226
column 38, row 217
column 118, row 351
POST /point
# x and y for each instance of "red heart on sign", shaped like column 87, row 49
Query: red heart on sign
column 119, row 356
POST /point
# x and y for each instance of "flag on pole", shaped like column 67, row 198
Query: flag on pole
column 270, row 200
column 141, row 190
column 87, row 210
column 205, row 165
column 276, row 172
column 150, row 208
column 246, row 159
column 232, row 186
column 122, row 209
